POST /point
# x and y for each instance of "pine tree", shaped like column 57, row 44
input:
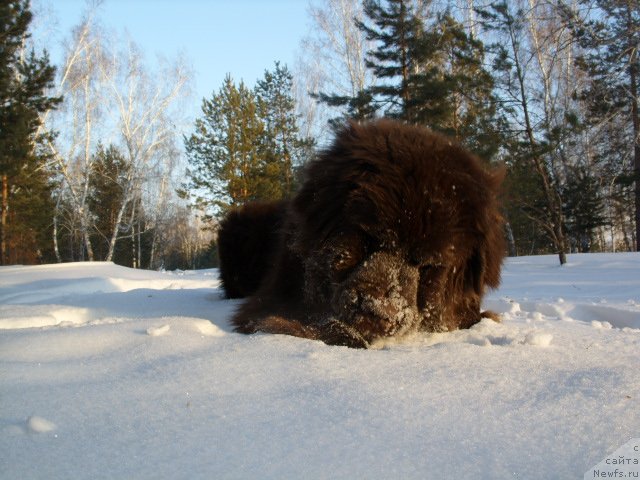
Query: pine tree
column 611, row 39
column 283, row 148
column 397, row 60
column 24, row 80
column 225, row 152
column 246, row 146
column 396, row 31
column 109, row 177
column 523, row 203
column 453, row 92
column 28, row 239
column 429, row 74
column 108, row 169
column 583, row 207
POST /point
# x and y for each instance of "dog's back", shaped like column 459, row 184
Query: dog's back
column 247, row 239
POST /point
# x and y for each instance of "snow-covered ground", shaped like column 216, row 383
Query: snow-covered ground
column 108, row 372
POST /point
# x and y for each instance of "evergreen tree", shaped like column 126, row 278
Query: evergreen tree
column 28, row 239
column 611, row 40
column 398, row 59
column 584, row 208
column 396, row 31
column 226, row 151
column 532, row 147
column 246, row 146
column 358, row 107
column 283, row 148
column 429, row 74
column 453, row 92
column 523, row 203
column 24, row 79
column 109, row 169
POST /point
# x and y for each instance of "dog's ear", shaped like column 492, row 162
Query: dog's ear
column 494, row 246
column 484, row 265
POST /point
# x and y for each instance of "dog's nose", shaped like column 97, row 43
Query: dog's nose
column 380, row 297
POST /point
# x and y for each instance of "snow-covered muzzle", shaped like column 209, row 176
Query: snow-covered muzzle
column 379, row 299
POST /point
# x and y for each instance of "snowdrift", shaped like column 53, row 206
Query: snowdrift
column 109, row 372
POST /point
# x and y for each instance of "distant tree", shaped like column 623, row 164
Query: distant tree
column 147, row 132
column 333, row 60
column 224, row 152
column 610, row 39
column 535, row 126
column 396, row 61
column 187, row 244
column 85, row 101
column 452, row 90
column 24, row 80
column 393, row 31
column 31, row 206
column 428, row 70
column 523, row 201
column 284, row 149
column 584, row 208
column 111, row 94
column 109, row 169
column 245, row 146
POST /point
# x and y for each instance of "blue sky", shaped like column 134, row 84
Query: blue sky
column 240, row 37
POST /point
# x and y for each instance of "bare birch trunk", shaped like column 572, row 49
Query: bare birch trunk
column 116, row 229
column 555, row 222
column 56, row 248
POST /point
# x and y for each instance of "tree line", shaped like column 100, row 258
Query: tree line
column 90, row 151
column 90, row 154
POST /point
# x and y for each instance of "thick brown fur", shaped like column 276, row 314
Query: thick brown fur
column 247, row 241
column 396, row 229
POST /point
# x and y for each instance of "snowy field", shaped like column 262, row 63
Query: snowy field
column 109, row 372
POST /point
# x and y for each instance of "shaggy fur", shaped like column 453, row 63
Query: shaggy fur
column 247, row 243
column 395, row 229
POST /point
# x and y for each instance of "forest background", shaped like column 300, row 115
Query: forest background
column 94, row 164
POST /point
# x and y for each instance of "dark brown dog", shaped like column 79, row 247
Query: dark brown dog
column 396, row 229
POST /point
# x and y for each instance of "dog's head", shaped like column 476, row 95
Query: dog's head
column 399, row 229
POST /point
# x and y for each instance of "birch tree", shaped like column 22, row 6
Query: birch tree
column 522, row 62
column 112, row 98
column 80, row 83
column 332, row 60
column 141, row 112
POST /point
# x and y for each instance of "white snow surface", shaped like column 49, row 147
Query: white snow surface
column 109, row 372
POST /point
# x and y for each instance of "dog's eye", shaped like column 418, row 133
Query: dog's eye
column 346, row 259
column 347, row 255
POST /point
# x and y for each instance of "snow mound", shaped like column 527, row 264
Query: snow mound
column 186, row 326
column 29, row 316
column 207, row 328
column 84, row 293
column 39, row 425
column 538, row 339
column 158, row 331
